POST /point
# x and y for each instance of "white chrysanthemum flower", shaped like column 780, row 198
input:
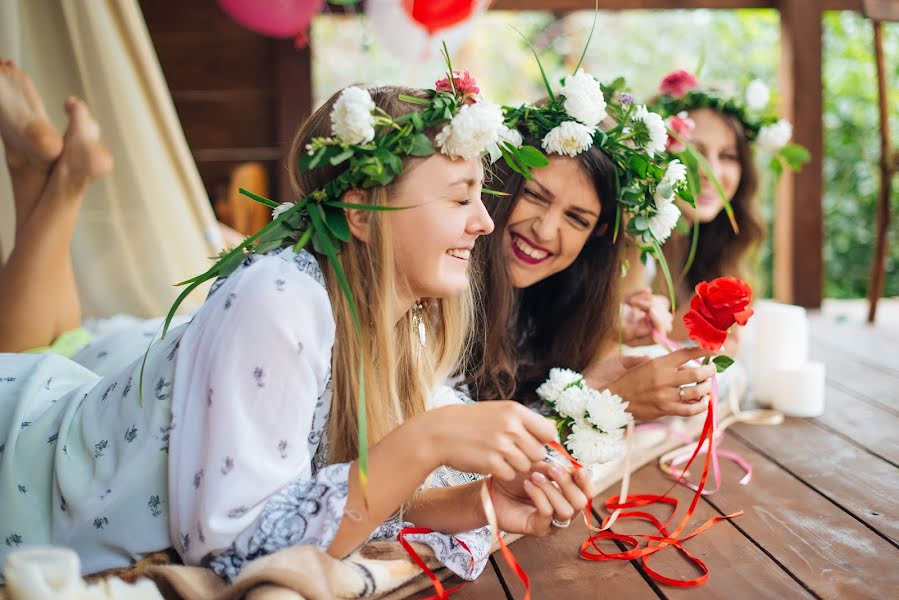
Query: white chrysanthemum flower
column 591, row 446
column 572, row 402
column 675, row 174
column 569, row 137
column 776, row 136
column 607, row 411
column 662, row 223
column 281, row 209
column 472, row 131
column 558, row 381
column 583, row 98
column 757, row 95
column 351, row 118
column 512, row 136
column 658, row 133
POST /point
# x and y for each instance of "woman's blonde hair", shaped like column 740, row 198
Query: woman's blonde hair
column 399, row 372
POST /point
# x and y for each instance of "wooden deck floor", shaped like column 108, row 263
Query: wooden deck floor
column 821, row 513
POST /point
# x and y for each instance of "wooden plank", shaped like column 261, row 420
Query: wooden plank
column 293, row 104
column 486, row 587
column 863, row 485
column 861, row 342
column 237, row 123
column 864, row 424
column 179, row 16
column 556, row 571
column 738, row 568
column 816, row 541
column 201, row 60
column 798, row 223
column 881, row 10
column 857, row 379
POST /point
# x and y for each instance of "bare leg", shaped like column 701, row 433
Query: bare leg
column 30, row 141
column 38, row 297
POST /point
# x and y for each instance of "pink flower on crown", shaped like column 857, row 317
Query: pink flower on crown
column 683, row 126
column 678, row 83
column 465, row 85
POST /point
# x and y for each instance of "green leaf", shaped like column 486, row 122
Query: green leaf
column 346, row 154
column 776, row 167
column 361, row 206
column 227, row 266
column 414, row 100
column 336, row 221
column 641, row 223
column 260, row 199
column 722, row 362
column 490, row 192
column 795, row 155
column 549, row 89
column 513, row 164
column 660, row 257
column 421, row 146
column 532, row 157
column 639, row 165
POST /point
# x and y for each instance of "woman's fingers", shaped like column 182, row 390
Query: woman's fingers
column 573, row 493
column 684, row 409
column 679, row 357
column 562, row 509
column 688, row 375
column 541, row 523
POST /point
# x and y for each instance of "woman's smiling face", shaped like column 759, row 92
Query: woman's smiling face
column 553, row 217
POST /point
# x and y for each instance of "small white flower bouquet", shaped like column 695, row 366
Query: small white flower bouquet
column 590, row 422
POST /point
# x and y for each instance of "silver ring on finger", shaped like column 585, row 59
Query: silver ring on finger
column 561, row 524
column 682, row 393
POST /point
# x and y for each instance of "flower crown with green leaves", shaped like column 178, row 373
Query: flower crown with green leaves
column 570, row 123
column 371, row 145
column 679, row 92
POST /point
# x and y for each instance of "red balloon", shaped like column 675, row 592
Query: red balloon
column 435, row 15
column 275, row 18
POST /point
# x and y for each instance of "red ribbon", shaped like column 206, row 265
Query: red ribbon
column 656, row 543
column 441, row 593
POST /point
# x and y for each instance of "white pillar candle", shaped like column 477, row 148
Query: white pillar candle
column 799, row 392
column 780, row 341
column 40, row 572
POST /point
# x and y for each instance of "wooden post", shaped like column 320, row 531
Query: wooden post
column 887, row 170
column 798, row 220
column 293, row 103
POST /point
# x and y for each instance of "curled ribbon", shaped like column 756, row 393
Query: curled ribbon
column 669, row 461
column 490, row 513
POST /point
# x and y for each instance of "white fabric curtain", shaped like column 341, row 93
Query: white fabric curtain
column 148, row 224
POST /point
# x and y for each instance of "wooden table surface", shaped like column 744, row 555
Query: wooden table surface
column 821, row 516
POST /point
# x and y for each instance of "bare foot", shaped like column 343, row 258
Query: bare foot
column 83, row 157
column 27, row 133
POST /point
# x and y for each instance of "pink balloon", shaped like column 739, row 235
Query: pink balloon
column 275, row 18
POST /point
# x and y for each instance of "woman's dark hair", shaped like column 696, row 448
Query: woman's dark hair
column 560, row 321
column 720, row 251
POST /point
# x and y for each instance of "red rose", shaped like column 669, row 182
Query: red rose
column 715, row 308
column 678, row 83
column 464, row 83
column 683, row 126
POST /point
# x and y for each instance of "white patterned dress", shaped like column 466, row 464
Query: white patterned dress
column 225, row 455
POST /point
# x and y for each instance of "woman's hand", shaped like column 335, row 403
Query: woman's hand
column 500, row 438
column 641, row 314
column 664, row 386
column 529, row 504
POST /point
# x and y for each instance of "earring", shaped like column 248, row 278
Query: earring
column 418, row 322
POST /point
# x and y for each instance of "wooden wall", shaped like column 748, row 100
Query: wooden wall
column 239, row 95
